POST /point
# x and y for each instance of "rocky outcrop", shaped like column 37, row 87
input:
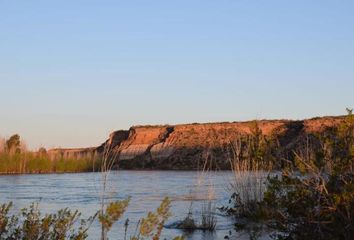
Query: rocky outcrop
column 187, row 146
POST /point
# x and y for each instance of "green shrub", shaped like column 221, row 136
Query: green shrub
column 316, row 199
column 30, row 224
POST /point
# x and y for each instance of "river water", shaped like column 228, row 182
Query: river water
column 82, row 191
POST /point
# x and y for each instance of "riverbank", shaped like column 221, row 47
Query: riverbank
column 182, row 147
column 35, row 163
column 187, row 146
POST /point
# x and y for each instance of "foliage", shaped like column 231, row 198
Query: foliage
column 151, row 226
column 15, row 159
column 251, row 160
column 29, row 162
column 209, row 220
column 315, row 200
column 13, row 144
column 311, row 199
column 254, row 148
column 30, row 224
column 112, row 213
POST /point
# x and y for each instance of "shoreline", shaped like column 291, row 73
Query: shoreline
column 119, row 170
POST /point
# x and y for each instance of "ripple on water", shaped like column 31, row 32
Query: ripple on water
column 146, row 189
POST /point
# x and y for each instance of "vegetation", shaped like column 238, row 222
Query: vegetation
column 151, row 226
column 13, row 144
column 110, row 212
column 205, row 217
column 66, row 224
column 14, row 158
column 30, row 224
column 311, row 198
column 207, row 221
column 314, row 197
column 251, row 161
column 29, row 162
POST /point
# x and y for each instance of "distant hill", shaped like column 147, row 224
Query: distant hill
column 187, row 146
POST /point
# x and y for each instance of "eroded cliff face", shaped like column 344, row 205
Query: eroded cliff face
column 186, row 147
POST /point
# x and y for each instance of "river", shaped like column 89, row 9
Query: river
column 146, row 188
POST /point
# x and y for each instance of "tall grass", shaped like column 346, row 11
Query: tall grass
column 30, row 223
column 248, row 183
column 204, row 219
column 109, row 159
column 208, row 218
column 30, row 162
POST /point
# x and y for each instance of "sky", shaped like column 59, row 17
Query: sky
column 72, row 71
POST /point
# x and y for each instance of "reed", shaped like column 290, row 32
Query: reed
column 204, row 219
column 208, row 218
column 248, row 183
column 31, row 162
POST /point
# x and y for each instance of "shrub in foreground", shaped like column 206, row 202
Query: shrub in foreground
column 29, row 223
column 314, row 199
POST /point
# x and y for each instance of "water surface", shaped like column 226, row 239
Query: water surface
column 146, row 189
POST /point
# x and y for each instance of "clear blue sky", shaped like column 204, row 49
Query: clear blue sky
column 72, row 71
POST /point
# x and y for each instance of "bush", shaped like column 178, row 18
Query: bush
column 30, row 224
column 312, row 199
column 315, row 200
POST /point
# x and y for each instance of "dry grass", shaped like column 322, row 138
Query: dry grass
column 248, row 182
column 247, row 185
column 205, row 219
column 208, row 218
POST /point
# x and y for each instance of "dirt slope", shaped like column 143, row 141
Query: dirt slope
column 187, row 146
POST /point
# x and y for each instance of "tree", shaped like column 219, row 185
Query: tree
column 13, row 144
column 42, row 151
column 2, row 145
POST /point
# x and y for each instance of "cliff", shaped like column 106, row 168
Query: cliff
column 187, row 146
